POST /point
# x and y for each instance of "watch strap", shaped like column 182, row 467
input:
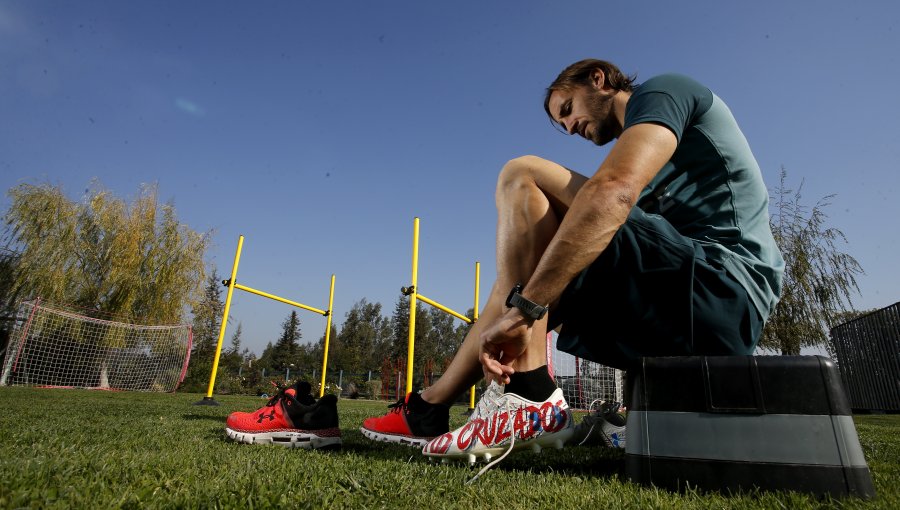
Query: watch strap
column 527, row 307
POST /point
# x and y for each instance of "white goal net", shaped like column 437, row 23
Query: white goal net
column 584, row 382
column 53, row 347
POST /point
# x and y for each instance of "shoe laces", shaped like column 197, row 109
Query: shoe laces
column 598, row 415
column 279, row 395
column 591, row 417
column 491, row 402
column 398, row 406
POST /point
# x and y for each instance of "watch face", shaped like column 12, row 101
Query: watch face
column 517, row 288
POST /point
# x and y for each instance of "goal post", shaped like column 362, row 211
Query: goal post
column 51, row 346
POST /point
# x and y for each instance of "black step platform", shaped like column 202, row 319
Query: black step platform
column 739, row 423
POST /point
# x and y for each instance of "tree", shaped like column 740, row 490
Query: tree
column 8, row 262
column 357, row 348
column 287, row 347
column 236, row 339
column 205, row 328
column 232, row 358
column 129, row 262
column 208, row 317
column 425, row 343
column 133, row 261
column 819, row 279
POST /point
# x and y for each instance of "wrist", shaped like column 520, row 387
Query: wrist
column 525, row 307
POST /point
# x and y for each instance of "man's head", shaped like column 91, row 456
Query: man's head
column 580, row 100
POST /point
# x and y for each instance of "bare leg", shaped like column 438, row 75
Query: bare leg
column 533, row 195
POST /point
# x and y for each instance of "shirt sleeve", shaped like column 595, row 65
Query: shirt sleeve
column 672, row 100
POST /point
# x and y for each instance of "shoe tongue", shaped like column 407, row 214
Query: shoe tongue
column 302, row 391
column 291, row 392
column 302, row 388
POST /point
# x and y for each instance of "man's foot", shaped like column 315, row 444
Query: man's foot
column 291, row 418
column 604, row 427
column 411, row 421
column 502, row 421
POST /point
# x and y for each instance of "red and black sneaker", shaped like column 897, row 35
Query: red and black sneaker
column 411, row 421
column 292, row 418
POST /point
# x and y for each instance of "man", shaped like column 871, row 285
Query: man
column 665, row 251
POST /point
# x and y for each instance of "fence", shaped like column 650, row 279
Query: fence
column 584, row 383
column 868, row 354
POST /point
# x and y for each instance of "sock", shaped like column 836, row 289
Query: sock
column 419, row 404
column 535, row 385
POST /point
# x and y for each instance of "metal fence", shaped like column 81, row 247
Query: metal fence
column 868, row 353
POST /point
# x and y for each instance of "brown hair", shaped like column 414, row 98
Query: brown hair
column 579, row 73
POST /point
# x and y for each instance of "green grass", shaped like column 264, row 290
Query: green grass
column 83, row 449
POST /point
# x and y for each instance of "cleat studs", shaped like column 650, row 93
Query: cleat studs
column 487, row 457
column 536, row 448
column 471, row 459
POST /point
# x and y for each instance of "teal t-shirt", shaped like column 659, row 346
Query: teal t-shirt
column 711, row 190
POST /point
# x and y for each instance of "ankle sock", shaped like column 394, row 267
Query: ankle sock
column 419, row 404
column 535, row 385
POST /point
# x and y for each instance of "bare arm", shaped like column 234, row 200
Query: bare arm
column 599, row 208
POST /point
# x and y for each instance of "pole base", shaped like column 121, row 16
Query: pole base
column 468, row 412
column 207, row 401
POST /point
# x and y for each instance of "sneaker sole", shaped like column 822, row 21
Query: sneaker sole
column 417, row 442
column 290, row 438
column 556, row 440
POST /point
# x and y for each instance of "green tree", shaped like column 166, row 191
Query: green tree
column 819, row 279
column 356, row 348
column 313, row 354
column 425, row 344
column 205, row 328
column 8, row 262
column 133, row 261
column 208, row 317
column 232, row 358
column 286, row 349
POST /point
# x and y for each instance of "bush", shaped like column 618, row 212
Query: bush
column 229, row 384
column 330, row 389
column 372, row 389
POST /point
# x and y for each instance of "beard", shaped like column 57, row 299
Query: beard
column 600, row 111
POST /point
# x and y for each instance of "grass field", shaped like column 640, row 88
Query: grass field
column 83, row 449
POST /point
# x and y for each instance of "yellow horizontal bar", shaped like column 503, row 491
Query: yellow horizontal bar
column 445, row 309
column 276, row 298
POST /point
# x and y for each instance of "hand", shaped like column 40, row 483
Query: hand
column 502, row 342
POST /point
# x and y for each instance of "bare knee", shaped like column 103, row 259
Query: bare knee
column 518, row 172
column 532, row 173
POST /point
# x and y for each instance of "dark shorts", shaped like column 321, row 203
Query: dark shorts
column 652, row 292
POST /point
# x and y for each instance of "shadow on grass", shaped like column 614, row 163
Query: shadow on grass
column 583, row 461
column 208, row 417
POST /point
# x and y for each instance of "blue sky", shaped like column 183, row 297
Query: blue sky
column 319, row 130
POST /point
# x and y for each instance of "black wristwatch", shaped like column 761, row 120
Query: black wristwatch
column 528, row 308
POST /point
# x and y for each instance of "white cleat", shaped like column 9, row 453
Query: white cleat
column 503, row 421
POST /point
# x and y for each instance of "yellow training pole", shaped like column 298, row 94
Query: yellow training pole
column 412, row 308
column 475, row 319
column 279, row 299
column 327, row 337
column 215, row 367
column 443, row 308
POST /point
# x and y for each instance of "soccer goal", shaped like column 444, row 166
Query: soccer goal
column 584, row 382
column 54, row 347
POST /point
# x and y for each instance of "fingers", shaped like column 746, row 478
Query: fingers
column 494, row 370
